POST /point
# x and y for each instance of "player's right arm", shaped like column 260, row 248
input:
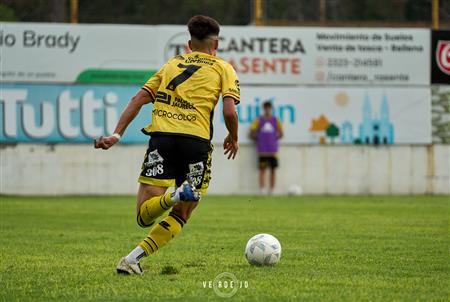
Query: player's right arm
column 254, row 129
column 144, row 96
column 134, row 106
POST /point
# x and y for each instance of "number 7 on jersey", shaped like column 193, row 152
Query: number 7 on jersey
column 189, row 70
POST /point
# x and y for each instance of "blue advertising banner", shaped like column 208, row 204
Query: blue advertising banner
column 67, row 113
column 309, row 115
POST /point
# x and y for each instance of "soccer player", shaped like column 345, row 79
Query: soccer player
column 266, row 131
column 184, row 93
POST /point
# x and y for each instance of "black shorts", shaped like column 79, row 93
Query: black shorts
column 270, row 161
column 172, row 159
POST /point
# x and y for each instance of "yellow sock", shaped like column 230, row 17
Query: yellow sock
column 162, row 233
column 153, row 208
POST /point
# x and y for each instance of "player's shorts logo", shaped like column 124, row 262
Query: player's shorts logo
column 443, row 56
column 153, row 159
column 154, row 164
column 155, row 170
column 195, row 174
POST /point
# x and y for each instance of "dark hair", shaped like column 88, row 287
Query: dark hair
column 267, row 104
column 201, row 27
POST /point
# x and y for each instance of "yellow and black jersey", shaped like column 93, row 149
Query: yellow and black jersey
column 185, row 92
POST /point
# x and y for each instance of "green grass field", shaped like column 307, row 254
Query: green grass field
column 334, row 249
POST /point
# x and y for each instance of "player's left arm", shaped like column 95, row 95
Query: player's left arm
column 230, row 144
column 231, row 95
column 134, row 106
column 280, row 131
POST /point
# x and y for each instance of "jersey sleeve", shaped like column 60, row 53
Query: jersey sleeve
column 279, row 126
column 254, row 126
column 230, row 84
column 152, row 84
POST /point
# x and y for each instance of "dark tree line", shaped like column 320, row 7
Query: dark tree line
column 236, row 12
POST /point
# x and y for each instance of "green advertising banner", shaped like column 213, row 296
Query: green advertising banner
column 114, row 76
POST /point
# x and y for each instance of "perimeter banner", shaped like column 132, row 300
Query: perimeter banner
column 66, row 113
column 65, row 53
column 290, row 55
column 80, row 113
column 126, row 54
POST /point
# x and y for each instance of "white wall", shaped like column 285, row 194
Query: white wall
column 79, row 169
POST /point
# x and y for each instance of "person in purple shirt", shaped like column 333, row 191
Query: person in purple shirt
column 266, row 130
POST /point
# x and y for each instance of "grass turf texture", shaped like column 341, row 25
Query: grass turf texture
column 334, row 249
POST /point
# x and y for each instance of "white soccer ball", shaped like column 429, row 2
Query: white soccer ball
column 295, row 190
column 263, row 249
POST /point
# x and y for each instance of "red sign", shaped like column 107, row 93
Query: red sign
column 443, row 56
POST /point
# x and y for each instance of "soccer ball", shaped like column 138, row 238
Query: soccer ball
column 263, row 249
column 295, row 190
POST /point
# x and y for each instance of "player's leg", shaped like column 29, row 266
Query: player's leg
column 183, row 201
column 151, row 202
column 193, row 165
column 145, row 192
column 150, row 195
column 157, row 174
column 273, row 173
column 165, row 230
column 262, row 180
column 169, row 227
column 262, row 174
column 184, row 210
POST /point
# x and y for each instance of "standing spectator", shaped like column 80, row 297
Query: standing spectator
column 266, row 131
